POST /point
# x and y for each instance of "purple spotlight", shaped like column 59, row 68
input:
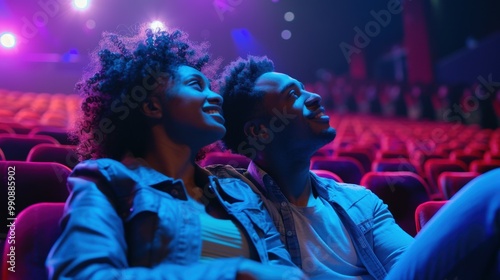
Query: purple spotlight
column 8, row 40
column 81, row 4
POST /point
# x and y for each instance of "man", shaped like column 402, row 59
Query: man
column 332, row 230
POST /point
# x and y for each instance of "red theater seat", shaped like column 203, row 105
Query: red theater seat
column 393, row 164
column 434, row 167
column 60, row 134
column 483, row 166
column 348, row 169
column 426, row 211
column 402, row 192
column 63, row 154
column 451, row 182
column 34, row 182
column 327, row 174
column 465, row 157
column 37, row 229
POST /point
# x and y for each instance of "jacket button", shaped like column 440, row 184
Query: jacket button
column 283, row 204
column 289, row 233
column 174, row 193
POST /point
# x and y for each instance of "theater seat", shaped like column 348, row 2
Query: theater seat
column 17, row 147
column 451, row 182
column 483, row 166
column 34, row 182
column 434, row 167
column 36, row 230
column 401, row 191
column 348, row 169
column 465, row 157
column 63, row 154
column 393, row 164
column 327, row 174
column 235, row 160
column 60, row 134
column 426, row 211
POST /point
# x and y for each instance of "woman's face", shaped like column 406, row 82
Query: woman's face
column 193, row 112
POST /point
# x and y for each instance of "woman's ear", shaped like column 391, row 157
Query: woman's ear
column 152, row 107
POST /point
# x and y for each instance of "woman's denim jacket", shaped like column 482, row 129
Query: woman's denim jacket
column 128, row 221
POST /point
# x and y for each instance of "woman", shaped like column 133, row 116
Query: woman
column 141, row 208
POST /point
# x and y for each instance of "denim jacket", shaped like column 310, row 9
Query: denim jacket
column 378, row 240
column 132, row 222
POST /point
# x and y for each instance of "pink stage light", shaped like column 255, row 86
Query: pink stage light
column 7, row 40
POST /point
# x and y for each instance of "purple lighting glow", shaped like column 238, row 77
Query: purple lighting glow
column 7, row 40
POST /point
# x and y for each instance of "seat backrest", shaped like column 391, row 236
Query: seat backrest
column 60, row 134
column 465, row 157
column 483, row 166
column 327, row 174
column 451, row 182
column 63, row 154
column 17, row 147
column 235, row 160
column 393, row 164
column 426, row 211
column 434, row 167
column 348, row 169
column 36, row 230
column 392, row 154
column 28, row 183
column 401, row 191
column 361, row 156
column 2, row 156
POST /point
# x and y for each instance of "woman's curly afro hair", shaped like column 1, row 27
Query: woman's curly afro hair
column 241, row 101
column 124, row 71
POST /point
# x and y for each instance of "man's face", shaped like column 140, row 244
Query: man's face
column 295, row 117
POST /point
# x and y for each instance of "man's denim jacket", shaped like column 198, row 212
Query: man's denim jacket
column 378, row 240
column 132, row 222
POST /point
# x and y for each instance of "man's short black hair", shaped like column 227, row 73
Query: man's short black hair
column 241, row 101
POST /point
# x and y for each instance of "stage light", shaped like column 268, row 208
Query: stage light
column 8, row 40
column 81, row 4
column 289, row 16
column 286, row 34
column 157, row 25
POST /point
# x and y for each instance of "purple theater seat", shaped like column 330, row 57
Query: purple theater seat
column 17, row 147
column 451, row 182
column 34, row 182
column 2, row 156
column 426, row 211
column 37, row 229
column 63, row 154
column 327, row 174
column 402, row 192
column 235, row 160
column 348, row 169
